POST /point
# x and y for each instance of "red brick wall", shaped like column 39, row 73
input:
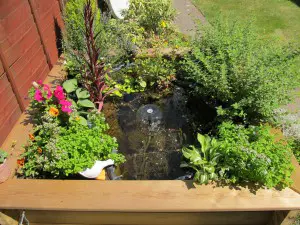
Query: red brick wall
column 28, row 43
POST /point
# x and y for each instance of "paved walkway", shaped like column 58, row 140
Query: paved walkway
column 187, row 16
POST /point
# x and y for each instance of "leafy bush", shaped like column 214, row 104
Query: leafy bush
column 232, row 69
column 154, row 15
column 252, row 155
column 3, row 156
column 156, row 72
column 242, row 155
column 204, row 160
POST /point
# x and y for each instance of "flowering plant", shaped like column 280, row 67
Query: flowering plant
column 61, row 145
column 46, row 101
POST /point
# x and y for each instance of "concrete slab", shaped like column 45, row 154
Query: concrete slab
column 187, row 16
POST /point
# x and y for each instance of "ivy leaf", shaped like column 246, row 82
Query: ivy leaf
column 86, row 103
column 82, row 94
column 70, row 85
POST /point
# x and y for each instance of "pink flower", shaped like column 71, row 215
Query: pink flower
column 38, row 96
column 40, row 82
column 47, row 89
column 59, row 93
column 65, row 106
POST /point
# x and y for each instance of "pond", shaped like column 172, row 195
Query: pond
column 151, row 133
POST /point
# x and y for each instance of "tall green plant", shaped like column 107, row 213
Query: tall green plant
column 232, row 68
column 74, row 34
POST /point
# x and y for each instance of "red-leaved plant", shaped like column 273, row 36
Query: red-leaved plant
column 95, row 71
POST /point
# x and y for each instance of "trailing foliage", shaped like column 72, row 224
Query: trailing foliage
column 3, row 156
column 244, row 77
column 242, row 155
column 155, row 15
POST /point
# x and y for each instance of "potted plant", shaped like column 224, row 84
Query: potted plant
column 4, row 167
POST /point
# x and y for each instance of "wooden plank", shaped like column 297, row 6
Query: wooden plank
column 296, row 176
column 6, row 220
column 291, row 218
column 140, row 196
column 94, row 218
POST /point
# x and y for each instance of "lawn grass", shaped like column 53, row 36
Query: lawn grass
column 279, row 18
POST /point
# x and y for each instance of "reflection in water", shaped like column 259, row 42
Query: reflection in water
column 150, row 135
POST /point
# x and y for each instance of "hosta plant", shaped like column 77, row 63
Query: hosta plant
column 203, row 159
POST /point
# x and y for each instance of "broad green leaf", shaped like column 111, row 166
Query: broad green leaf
column 201, row 139
column 86, row 103
column 70, row 85
column 143, row 83
column 203, row 179
column 82, row 121
column 82, row 94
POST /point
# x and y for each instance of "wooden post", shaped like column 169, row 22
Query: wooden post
column 11, row 79
column 35, row 19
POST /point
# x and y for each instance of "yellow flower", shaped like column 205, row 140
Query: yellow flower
column 163, row 24
column 53, row 111
column 77, row 118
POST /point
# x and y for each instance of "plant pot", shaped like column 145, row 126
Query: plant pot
column 4, row 171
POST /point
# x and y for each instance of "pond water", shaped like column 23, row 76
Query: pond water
column 150, row 134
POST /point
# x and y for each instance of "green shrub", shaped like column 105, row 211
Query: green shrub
column 156, row 72
column 59, row 151
column 240, row 156
column 252, row 155
column 154, row 15
column 232, row 69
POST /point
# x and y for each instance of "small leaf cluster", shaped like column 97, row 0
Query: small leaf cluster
column 3, row 156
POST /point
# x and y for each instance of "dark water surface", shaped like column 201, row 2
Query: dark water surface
column 150, row 134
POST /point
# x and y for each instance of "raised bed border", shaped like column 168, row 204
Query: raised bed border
column 161, row 202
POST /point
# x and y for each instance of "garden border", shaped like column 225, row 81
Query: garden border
column 160, row 200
